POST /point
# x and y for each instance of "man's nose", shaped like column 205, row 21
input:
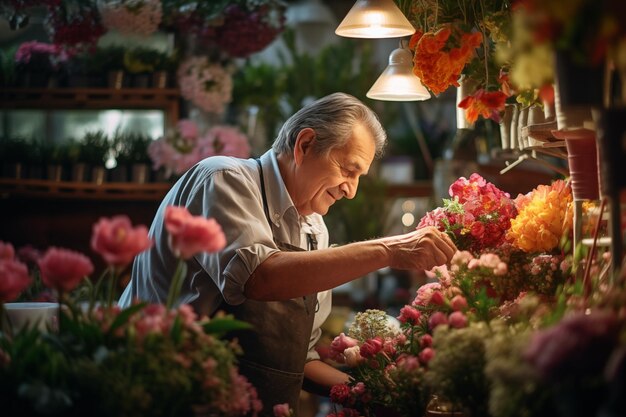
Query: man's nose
column 349, row 188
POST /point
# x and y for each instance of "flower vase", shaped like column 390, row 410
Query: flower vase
column 43, row 316
column 505, row 126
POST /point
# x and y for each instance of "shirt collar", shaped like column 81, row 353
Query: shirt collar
column 278, row 199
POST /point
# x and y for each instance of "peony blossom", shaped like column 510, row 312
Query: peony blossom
column 426, row 355
column 458, row 303
column 282, row 410
column 6, row 250
column 340, row 344
column 409, row 314
column 14, row 279
column 117, row 241
column 192, row 234
column 63, row 269
column 371, row 347
column 457, row 319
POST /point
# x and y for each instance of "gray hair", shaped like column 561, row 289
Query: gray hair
column 333, row 118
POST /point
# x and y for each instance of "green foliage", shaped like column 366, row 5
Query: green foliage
column 95, row 148
column 132, row 148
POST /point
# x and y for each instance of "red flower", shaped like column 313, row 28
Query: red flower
column 117, row 241
column 63, row 269
column 6, row 250
column 192, row 234
column 371, row 347
column 340, row 394
column 409, row 314
column 483, row 103
column 14, row 279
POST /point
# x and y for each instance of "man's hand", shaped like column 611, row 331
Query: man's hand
column 421, row 249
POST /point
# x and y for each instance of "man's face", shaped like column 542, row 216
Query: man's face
column 322, row 180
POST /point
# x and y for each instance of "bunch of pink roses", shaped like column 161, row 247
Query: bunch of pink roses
column 186, row 145
column 477, row 216
column 176, row 361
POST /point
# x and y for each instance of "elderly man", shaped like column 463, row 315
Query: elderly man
column 276, row 271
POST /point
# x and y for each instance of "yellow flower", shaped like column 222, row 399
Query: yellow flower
column 543, row 218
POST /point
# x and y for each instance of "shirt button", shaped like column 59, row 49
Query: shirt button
column 276, row 216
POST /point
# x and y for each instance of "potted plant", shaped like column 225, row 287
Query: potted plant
column 142, row 63
column 94, row 152
column 132, row 151
column 36, row 63
column 14, row 155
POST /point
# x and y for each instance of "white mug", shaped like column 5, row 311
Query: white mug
column 43, row 316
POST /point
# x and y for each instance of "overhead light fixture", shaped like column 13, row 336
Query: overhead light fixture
column 375, row 19
column 398, row 82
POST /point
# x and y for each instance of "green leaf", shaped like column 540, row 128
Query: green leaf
column 220, row 325
column 123, row 317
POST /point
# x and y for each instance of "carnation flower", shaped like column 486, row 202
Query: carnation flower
column 544, row 217
column 185, row 146
column 206, row 84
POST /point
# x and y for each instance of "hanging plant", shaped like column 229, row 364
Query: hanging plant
column 141, row 17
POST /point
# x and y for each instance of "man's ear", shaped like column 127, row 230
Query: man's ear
column 304, row 144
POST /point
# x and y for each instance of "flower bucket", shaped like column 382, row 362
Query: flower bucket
column 43, row 316
column 582, row 157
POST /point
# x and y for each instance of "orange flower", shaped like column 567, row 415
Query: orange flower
column 439, row 64
column 483, row 103
column 544, row 216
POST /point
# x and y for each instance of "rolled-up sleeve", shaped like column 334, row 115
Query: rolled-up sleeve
column 233, row 199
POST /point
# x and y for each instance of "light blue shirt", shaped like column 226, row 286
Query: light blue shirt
column 228, row 190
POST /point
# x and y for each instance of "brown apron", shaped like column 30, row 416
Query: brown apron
column 275, row 349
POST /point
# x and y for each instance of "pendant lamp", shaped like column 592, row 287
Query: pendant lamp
column 398, row 82
column 374, row 19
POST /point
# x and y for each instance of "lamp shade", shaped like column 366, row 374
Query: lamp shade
column 397, row 82
column 375, row 19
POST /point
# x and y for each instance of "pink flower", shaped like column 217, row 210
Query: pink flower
column 228, row 140
column 282, row 410
column 371, row 347
column 340, row 344
column 188, row 129
column 457, row 320
column 458, row 303
column 358, row 388
column 409, row 314
column 426, row 341
column 340, row 394
column 117, row 241
column 14, row 279
column 6, row 250
column 426, row 355
column 63, row 269
column 436, row 319
column 353, row 356
column 437, row 298
column 192, row 234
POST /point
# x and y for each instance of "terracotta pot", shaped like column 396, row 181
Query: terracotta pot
column 582, row 156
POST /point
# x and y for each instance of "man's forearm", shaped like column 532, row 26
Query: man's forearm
column 287, row 275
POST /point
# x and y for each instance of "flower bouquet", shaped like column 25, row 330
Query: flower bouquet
column 140, row 17
column 477, row 216
column 147, row 359
column 74, row 26
column 185, row 146
column 206, row 84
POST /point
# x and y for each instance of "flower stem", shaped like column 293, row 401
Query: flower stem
column 177, row 283
column 112, row 286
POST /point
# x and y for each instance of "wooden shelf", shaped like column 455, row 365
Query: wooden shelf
column 93, row 98
column 125, row 191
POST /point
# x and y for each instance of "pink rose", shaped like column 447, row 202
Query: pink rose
column 457, row 320
column 282, row 410
column 340, row 344
column 117, row 241
column 371, row 347
column 436, row 319
column 63, row 269
column 409, row 314
column 458, row 303
column 14, row 279
column 192, row 234
column 426, row 341
column 358, row 388
column 437, row 298
column 426, row 355
column 6, row 250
